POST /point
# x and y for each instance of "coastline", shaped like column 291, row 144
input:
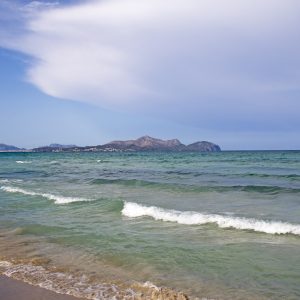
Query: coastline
column 12, row 289
column 34, row 282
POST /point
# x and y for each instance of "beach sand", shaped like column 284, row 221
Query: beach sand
column 11, row 289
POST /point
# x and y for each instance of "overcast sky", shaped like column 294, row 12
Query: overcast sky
column 87, row 72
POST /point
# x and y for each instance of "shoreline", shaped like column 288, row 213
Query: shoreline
column 12, row 289
column 33, row 282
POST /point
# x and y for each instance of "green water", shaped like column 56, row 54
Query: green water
column 71, row 203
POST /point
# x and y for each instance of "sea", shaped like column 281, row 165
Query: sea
column 222, row 225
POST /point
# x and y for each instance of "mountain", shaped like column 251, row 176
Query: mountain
column 147, row 143
column 4, row 147
column 54, row 148
column 144, row 143
column 61, row 146
column 203, row 147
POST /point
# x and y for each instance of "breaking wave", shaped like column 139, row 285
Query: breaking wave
column 10, row 180
column 134, row 210
column 57, row 199
column 23, row 161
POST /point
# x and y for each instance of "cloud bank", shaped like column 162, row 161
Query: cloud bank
column 209, row 63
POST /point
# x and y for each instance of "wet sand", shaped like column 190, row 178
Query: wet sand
column 11, row 289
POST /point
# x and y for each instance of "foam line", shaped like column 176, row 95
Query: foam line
column 57, row 199
column 134, row 210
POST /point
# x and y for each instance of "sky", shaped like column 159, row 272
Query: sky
column 88, row 72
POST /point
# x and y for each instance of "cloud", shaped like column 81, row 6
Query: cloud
column 33, row 6
column 211, row 63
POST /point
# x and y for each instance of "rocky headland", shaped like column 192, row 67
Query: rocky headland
column 4, row 147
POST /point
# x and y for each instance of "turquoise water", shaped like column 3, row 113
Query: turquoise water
column 217, row 225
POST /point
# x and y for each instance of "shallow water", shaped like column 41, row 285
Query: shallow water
column 217, row 225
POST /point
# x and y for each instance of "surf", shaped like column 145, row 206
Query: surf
column 56, row 198
column 135, row 210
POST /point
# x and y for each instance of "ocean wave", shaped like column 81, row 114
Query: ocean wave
column 266, row 189
column 57, row 199
column 174, row 186
column 134, row 210
column 262, row 175
column 10, row 180
column 23, row 161
column 4, row 180
column 126, row 182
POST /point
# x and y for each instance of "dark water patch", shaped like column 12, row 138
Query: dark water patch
column 265, row 189
column 38, row 229
column 127, row 182
column 22, row 173
column 261, row 189
column 273, row 190
column 221, row 173
column 292, row 176
column 181, row 172
column 260, row 175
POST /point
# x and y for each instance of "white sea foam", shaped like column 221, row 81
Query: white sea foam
column 149, row 284
column 134, row 210
column 4, row 180
column 64, row 283
column 5, row 264
column 10, row 180
column 23, row 161
column 57, row 199
column 81, row 286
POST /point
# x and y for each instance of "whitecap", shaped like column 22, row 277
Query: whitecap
column 23, row 161
column 9, row 181
column 4, row 180
column 57, row 199
column 149, row 284
column 134, row 210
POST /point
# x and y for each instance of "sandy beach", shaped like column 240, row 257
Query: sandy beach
column 11, row 289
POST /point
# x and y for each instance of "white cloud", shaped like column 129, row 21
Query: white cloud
column 168, row 57
column 35, row 5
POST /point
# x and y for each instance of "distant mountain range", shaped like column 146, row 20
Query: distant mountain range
column 4, row 147
column 61, row 146
column 54, row 148
column 144, row 143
